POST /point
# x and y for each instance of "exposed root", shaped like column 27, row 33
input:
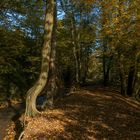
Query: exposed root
column 21, row 135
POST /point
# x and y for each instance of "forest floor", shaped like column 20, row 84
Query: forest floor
column 88, row 114
column 6, row 116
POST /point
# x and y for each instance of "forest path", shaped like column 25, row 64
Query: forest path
column 6, row 114
column 89, row 114
column 5, row 117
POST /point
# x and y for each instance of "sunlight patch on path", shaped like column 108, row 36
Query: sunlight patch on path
column 90, row 115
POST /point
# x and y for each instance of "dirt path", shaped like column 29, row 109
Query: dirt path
column 6, row 114
column 5, row 117
column 88, row 115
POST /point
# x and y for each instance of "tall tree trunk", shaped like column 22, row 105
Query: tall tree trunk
column 132, row 76
column 105, row 68
column 76, row 63
column 136, row 77
column 122, row 75
column 8, row 91
column 130, row 86
column 108, row 67
column 79, row 55
column 75, row 50
column 85, row 69
column 32, row 94
column 75, row 41
column 51, row 86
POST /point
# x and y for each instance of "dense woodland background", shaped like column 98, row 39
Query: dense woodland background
column 97, row 41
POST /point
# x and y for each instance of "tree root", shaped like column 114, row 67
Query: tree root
column 21, row 135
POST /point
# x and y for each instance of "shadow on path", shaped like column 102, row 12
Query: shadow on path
column 89, row 114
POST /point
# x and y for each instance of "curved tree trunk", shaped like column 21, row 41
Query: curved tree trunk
column 32, row 94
